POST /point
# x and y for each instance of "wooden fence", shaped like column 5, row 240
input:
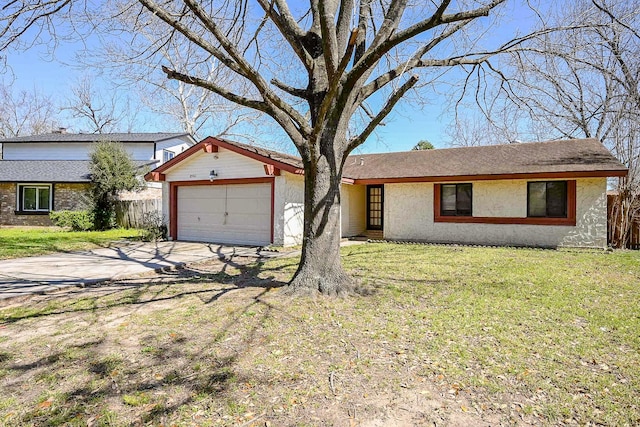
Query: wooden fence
column 132, row 213
column 613, row 227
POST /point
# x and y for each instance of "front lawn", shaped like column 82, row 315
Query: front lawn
column 447, row 336
column 30, row 241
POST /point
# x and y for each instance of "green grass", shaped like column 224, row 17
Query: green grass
column 20, row 242
column 449, row 335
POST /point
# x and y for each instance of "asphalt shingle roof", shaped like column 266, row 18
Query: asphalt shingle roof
column 575, row 155
column 271, row 154
column 50, row 170
column 93, row 137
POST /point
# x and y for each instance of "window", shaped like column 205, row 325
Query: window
column 34, row 198
column 455, row 200
column 167, row 155
column 547, row 199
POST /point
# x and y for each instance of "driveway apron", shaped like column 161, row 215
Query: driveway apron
column 48, row 273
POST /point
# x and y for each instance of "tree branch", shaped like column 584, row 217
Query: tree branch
column 218, row 90
column 391, row 102
column 288, row 27
column 297, row 92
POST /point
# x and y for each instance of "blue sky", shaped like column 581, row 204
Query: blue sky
column 408, row 124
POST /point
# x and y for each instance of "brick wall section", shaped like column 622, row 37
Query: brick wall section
column 7, row 203
column 65, row 197
column 70, row 197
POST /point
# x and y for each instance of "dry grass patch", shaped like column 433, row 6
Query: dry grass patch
column 450, row 335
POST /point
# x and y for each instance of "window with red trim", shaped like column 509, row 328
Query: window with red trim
column 547, row 199
column 456, row 199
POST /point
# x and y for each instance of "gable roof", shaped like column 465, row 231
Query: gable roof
column 50, row 170
column 561, row 158
column 93, row 137
column 574, row 157
column 282, row 161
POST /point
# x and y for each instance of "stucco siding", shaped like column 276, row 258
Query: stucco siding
column 353, row 205
column 502, row 198
column 293, row 218
column 227, row 164
column 68, row 151
column 409, row 216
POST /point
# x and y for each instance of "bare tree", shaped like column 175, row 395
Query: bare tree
column 579, row 83
column 328, row 73
column 195, row 109
column 25, row 112
column 94, row 112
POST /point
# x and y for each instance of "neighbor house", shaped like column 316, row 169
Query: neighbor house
column 42, row 173
column 528, row 194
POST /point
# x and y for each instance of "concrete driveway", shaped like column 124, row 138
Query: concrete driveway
column 48, row 273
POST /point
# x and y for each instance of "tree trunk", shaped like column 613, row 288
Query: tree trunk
column 320, row 269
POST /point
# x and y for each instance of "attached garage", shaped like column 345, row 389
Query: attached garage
column 232, row 214
column 232, row 193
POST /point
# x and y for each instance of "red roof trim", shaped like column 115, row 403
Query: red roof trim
column 456, row 178
column 211, row 144
column 280, row 165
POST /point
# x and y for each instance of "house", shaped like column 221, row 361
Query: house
column 543, row 194
column 41, row 173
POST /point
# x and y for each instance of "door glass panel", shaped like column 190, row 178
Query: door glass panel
column 374, row 208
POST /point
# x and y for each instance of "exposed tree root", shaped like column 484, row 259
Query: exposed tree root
column 335, row 284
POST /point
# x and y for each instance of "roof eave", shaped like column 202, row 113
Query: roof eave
column 486, row 177
column 158, row 173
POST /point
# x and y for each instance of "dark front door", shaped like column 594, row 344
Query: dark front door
column 375, row 207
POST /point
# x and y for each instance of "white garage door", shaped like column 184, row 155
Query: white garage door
column 233, row 214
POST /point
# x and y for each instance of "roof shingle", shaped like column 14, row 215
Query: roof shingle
column 50, row 170
column 93, row 137
column 575, row 155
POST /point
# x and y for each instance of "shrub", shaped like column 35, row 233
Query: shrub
column 76, row 220
column 112, row 171
column 153, row 227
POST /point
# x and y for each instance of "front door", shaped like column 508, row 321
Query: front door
column 375, row 207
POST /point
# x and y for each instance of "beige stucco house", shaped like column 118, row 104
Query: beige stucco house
column 544, row 194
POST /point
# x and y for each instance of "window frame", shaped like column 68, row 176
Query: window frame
column 20, row 199
column 570, row 220
column 547, row 197
column 458, row 211
column 165, row 154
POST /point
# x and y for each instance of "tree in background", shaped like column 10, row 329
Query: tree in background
column 423, row 145
column 25, row 113
column 112, row 171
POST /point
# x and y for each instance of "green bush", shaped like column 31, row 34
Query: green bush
column 76, row 220
column 153, row 227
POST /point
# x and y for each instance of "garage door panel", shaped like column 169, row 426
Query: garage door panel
column 241, row 206
column 248, row 221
